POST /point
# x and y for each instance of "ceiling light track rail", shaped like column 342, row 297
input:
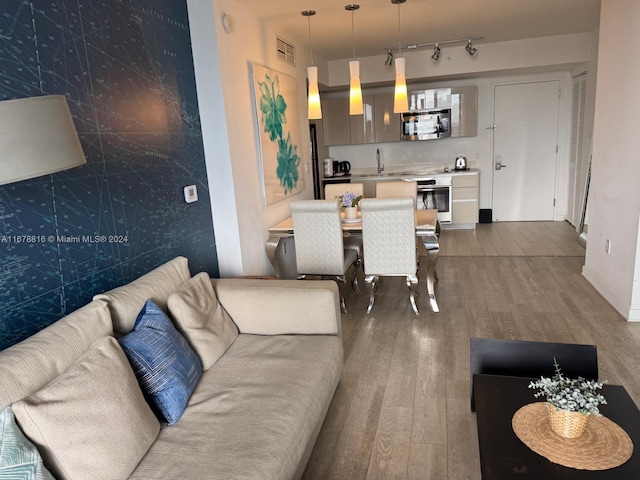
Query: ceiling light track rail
column 414, row 46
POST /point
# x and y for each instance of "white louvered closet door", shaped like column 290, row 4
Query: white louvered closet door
column 578, row 162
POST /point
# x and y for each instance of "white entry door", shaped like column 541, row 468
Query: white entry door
column 525, row 150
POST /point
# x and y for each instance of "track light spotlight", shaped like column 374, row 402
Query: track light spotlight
column 469, row 48
column 389, row 61
column 436, row 53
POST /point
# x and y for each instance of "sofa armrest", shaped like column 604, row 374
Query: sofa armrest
column 279, row 307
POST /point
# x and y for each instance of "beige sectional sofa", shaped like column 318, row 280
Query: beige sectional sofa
column 255, row 412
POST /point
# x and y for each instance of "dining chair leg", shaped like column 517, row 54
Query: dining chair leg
column 371, row 281
column 342, row 281
column 354, row 277
column 412, row 283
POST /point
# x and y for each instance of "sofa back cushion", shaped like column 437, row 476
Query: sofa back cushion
column 29, row 365
column 199, row 316
column 92, row 421
column 126, row 301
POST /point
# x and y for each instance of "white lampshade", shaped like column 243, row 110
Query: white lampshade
column 37, row 137
column 400, row 99
column 314, row 107
column 355, row 92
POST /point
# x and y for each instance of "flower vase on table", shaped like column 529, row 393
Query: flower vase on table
column 350, row 212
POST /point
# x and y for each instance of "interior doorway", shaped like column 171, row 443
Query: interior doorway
column 525, row 150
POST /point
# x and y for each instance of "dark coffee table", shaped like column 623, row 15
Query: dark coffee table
column 503, row 456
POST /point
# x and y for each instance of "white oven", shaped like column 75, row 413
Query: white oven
column 435, row 192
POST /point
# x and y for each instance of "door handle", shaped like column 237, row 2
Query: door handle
column 499, row 164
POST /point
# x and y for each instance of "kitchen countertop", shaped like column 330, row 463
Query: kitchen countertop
column 407, row 173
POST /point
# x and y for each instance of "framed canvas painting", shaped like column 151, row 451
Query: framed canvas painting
column 278, row 122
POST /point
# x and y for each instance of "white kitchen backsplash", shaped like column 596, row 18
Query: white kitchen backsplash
column 422, row 155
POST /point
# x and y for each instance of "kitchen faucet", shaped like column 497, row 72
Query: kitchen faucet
column 380, row 166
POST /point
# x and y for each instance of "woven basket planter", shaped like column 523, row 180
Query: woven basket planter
column 567, row 424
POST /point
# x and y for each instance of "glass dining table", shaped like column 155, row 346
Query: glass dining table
column 427, row 230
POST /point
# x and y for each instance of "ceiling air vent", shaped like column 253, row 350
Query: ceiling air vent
column 286, row 51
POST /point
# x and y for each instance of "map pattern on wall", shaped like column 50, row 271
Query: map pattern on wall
column 126, row 69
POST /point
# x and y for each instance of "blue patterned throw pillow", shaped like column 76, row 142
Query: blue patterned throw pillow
column 19, row 458
column 165, row 365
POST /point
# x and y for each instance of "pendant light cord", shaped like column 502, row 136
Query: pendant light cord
column 399, row 39
column 353, row 35
column 310, row 48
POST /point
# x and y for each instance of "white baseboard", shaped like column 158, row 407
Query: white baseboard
column 622, row 307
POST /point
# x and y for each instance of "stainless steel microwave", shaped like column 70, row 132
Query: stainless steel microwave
column 426, row 125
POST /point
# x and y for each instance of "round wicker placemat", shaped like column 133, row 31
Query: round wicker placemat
column 603, row 444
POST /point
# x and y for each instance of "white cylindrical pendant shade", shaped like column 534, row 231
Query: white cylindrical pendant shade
column 314, row 107
column 355, row 91
column 400, row 98
column 37, row 137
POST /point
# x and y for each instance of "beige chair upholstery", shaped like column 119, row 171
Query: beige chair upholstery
column 389, row 232
column 319, row 245
column 334, row 190
column 400, row 188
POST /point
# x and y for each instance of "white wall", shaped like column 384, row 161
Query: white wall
column 614, row 197
column 225, row 94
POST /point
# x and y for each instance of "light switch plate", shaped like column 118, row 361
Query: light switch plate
column 190, row 194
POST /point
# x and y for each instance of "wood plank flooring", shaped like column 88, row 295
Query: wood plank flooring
column 401, row 410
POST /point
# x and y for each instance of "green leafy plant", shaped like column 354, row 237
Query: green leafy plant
column 349, row 199
column 572, row 394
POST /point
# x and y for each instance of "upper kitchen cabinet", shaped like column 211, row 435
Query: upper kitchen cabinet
column 461, row 104
column 464, row 111
column 377, row 124
column 387, row 123
column 362, row 126
column 336, row 121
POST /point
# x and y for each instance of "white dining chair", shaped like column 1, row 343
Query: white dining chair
column 397, row 188
column 334, row 190
column 320, row 251
column 389, row 234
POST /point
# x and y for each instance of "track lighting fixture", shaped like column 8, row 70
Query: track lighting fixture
column 314, row 109
column 389, row 61
column 469, row 48
column 436, row 53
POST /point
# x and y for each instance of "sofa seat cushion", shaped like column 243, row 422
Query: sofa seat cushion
column 254, row 415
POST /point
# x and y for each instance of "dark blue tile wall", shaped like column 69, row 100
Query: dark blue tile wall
column 126, row 69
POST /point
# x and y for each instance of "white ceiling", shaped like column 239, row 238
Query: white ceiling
column 422, row 21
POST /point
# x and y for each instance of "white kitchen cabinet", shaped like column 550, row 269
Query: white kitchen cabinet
column 464, row 200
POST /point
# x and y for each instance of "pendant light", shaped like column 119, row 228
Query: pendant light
column 355, row 91
column 400, row 98
column 314, row 109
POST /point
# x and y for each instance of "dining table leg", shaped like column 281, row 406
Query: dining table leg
column 432, row 246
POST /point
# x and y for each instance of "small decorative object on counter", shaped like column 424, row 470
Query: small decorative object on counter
column 570, row 401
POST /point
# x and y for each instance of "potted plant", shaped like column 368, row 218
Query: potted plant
column 349, row 201
column 570, row 401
